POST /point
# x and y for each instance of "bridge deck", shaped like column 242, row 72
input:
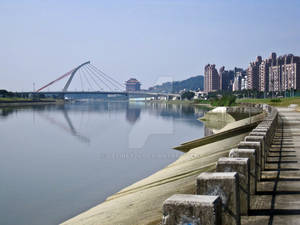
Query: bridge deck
column 278, row 199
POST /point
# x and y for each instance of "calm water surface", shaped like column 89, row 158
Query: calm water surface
column 57, row 161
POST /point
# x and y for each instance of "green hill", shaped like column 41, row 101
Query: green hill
column 192, row 83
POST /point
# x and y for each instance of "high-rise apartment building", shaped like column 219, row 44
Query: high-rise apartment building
column 274, row 74
column 211, row 78
column 226, row 79
column 284, row 74
column 264, row 68
column 244, row 83
column 237, row 83
column 239, row 79
column 253, row 74
column 263, row 84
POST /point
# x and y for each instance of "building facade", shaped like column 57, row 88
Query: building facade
column 263, row 84
column 211, row 78
column 226, row 79
column 239, row 75
column 133, row 85
column 253, row 74
column 239, row 79
column 274, row 74
column 284, row 74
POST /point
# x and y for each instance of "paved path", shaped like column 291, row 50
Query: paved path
column 278, row 199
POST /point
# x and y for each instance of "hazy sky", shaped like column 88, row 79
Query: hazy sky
column 40, row 40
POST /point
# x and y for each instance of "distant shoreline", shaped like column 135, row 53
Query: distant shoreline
column 17, row 103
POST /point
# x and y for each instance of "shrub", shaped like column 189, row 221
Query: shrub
column 188, row 95
column 276, row 100
column 226, row 100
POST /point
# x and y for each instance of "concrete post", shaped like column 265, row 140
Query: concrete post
column 265, row 122
column 265, row 125
column 267, row 139
column 251, row 154
column 261, row 133
column 258, row 133
column 268, row 130
column 242, row 167
column 225, row 185
column 256, row 146
column 192, row 209
column 261, row 129
column 260, row 139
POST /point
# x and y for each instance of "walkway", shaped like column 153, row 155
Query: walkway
column 278, row 199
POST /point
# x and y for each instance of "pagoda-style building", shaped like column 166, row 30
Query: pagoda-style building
column 133, row 85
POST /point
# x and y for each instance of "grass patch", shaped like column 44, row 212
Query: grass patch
column 226, row 100
column 11, row 99
column 17, row 99
column 283, row 102
column 201, row 101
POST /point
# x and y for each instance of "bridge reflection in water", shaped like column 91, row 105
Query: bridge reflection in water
column 62, row 158
column 133, row 111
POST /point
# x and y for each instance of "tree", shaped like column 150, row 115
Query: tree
column 188, row 95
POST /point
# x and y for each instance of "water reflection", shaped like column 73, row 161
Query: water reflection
column 63, row 159
column 133, row 111
column 69, row 128
column 6, row 112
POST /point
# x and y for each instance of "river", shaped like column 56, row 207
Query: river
column 60, row 160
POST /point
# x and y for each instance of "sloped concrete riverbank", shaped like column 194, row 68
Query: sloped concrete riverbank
column 141, row 203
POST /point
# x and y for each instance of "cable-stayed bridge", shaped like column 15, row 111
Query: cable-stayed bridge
column 93, row 83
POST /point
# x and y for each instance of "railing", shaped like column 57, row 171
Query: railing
column 223, row 196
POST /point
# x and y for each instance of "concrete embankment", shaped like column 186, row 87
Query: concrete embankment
column 141, row 203
column 219, row 117
column 257, row 183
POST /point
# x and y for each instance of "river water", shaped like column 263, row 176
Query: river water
column 58, row 161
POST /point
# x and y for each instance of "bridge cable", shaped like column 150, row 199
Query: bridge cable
column 81, row 80
column 52, row 82
column 99, row 75
column 99, row 78
column 91, row 75
column 107, row 75
column 87, row 79
column 93, row 83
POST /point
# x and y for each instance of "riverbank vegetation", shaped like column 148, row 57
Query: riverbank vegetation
column 226, row 100
column 8, row 96
column 283, row 102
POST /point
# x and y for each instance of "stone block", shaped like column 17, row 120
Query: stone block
column 225, row 185
column 260, row 139
column 251, row 155
column 256, row 146
column 242, row 167
column 192, row 209
column 268, row 139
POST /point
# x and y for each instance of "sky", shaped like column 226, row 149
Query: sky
column 151, row 40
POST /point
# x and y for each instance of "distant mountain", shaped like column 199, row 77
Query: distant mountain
column 192, row 83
